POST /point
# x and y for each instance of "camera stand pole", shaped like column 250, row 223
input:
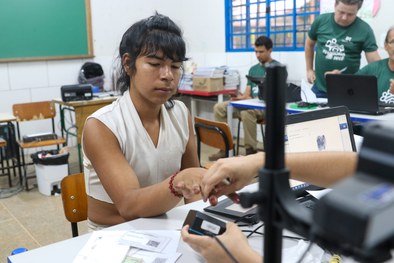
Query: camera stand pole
column 274, row 163
column 274, row 174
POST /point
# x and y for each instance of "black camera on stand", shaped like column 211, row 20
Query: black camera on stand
column 354, row 219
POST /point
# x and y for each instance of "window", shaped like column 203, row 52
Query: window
column 286, row 22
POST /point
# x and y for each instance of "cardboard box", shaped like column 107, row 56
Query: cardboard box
column 208, row 84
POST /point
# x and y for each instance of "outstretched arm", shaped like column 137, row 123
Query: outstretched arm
column 318, row 168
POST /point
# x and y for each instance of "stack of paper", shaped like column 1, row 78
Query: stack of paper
column 186, row 82
column 209, row 72
column 231, row 79
column 130, row 246
column 308, row 95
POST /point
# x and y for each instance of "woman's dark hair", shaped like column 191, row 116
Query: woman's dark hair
column 148, row 36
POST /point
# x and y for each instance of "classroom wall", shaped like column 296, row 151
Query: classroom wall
column 203, row 25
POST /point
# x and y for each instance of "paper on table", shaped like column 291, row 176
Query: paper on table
column 103, row 246
column 136, row 255
column 308, row 95
column 314, row 255
column 144, row 240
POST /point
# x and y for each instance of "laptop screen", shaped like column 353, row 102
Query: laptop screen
column 324, row 133
column 357, row 92
column 319, row 130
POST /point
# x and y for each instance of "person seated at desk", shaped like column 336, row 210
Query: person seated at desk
column 140, row 151
column 240, row 171
column 263, row 50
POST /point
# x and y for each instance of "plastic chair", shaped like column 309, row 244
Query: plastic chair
column 75, row 200
column 34, row 111
column 215, row 134
column 259, row 122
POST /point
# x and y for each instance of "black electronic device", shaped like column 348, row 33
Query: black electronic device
column 76, row 92
column 293, row 92
column 203, row 224
column 227, row 208
column 357, row 216
column 38, row 137
column 357, row 92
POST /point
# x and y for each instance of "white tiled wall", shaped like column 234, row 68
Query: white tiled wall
column 204, row 30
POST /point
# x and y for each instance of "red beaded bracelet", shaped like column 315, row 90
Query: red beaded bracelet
column 171, row 186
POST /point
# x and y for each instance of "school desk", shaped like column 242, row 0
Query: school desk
column 82, row 110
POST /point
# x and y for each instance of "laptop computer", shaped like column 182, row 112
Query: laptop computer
column 328, row 129
column 357, row 92
column 293, row 92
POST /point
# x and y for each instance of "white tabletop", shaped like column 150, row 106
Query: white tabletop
column 6, row 117
column 65, row 251
column 260, row 105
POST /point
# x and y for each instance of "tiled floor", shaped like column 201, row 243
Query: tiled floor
column 30, row 219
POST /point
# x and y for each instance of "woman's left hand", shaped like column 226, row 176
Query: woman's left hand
column 188, row 182
column 233, row 239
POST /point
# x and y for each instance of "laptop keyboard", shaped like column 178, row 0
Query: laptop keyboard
column 309, row 204
column 307, row 201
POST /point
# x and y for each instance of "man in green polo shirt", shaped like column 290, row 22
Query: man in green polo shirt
column 263, row 49
column 339, row 37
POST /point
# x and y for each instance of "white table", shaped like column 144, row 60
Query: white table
column 260, row 105
column 65, row 251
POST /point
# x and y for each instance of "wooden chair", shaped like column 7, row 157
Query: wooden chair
column 75, row 200
column 34, row 111
column 215, row 134
column 259, row 122
column 4, row 164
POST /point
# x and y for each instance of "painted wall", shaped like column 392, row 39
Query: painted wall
column 203, row 25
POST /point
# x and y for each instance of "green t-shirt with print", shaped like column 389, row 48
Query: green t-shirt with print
column 339, row 47
column 258, row 70
column 383, row 73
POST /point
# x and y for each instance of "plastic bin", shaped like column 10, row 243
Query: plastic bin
column 51, row 167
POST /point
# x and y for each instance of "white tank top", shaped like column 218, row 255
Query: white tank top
column 151, row 164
